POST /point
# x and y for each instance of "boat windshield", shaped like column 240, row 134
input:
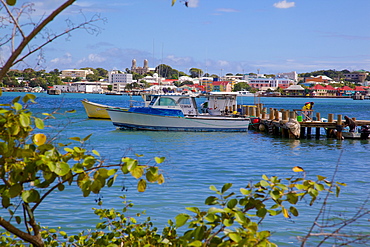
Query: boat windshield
column 166, row 102
column 184, row 101
column 154, row 99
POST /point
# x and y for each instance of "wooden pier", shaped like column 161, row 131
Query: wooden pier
column 292, row 123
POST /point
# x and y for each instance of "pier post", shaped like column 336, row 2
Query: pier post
column 339, row 127
column 329, row 132
column 271, row 116
column 264, row 111
column 317, row 133
column 258, row 112
column 276, row 114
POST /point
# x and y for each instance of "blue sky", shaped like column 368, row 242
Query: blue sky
column 217, row 36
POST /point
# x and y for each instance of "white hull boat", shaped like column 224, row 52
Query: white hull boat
column 177, row 113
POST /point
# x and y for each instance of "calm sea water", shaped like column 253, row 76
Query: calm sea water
column 194, row 161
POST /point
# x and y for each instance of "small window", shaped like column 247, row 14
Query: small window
column 153, row 100
column 184, row 101
column 166, row 102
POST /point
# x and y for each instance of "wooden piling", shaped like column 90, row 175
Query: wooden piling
column 339, row 127
column 271, row 116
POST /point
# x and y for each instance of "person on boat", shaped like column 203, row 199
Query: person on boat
column 350, row 123
column 307, row 106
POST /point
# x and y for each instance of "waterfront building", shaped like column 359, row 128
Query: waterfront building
column 81, row 87
column 221, row 86
column 320, row 79
column 357, row 76
column 75, row 73
column 294, row 90
column 273, row 83
column 290, row 75
column 140, row 70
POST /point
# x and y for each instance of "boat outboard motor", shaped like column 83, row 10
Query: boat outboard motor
column 365, row 131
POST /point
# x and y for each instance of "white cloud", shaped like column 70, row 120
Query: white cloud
column 284, row 5
column 96, row 58
column 227, row 10
column 65, row 60
column 193, row 3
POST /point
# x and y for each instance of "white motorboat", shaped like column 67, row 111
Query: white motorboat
column 179, row 112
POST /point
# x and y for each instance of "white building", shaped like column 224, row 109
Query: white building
column 290, row 75
column 80, row 87
column 116, row 76
column 274, row 83
column 74, row 73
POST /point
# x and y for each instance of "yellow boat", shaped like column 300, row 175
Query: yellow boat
column 95, row 110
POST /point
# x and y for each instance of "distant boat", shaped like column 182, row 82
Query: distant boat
column 113, row 93
column 95, row 110
column 99, row 111
column 54, row 91
column 246, row 94
column 179, row 112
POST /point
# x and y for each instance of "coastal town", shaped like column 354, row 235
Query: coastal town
column 137, row 79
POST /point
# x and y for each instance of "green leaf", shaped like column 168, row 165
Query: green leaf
column 24, row 120
column 240, row 217
column 319, row 187
column 320, row 178
column 245, row 191
column 61, row 187
column 13, row 2
column 111, row 181
column 18, row 219
column 137, row 172
column 193, row 209
column 264, row 183
column 226, row 187
column 86, row 138
column 285, row 213
column 141, row 185
column 96, row 153
column 39, row 123
column 228, row 222
column 76, row 138
column 17, row 106
column 213, row 188
column 150, row 177
column 15, row 190
column 211, row 200
column 5, row 201
column 29, row 196
column 235, row 236
column 294, row 211
column 232, row 203
column 181, row 219
column 292, row 198
column 160, row 179
column 62, row 169
column 337, row 191
column 264, row 177
column 159, row 160
column 261, row 212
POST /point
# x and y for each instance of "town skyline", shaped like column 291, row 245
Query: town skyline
column 218, row 37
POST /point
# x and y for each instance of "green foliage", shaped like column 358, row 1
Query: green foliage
column 31, row 166
column 232, row 218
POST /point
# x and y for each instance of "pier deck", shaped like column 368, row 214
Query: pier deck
column 280, row 122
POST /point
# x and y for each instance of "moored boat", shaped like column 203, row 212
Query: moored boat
column 179, row 112
column 95, row 110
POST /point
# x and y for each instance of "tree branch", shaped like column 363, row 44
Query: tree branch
column 23, row 235
column 27, row 39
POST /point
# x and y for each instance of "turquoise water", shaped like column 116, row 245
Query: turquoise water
column 194, row 161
